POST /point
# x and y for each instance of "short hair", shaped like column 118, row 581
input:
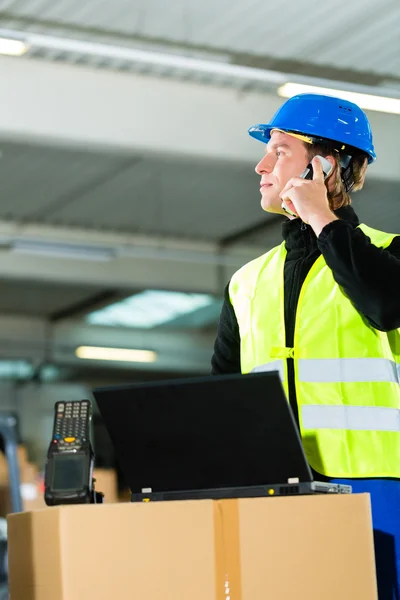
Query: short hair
column 339, row 196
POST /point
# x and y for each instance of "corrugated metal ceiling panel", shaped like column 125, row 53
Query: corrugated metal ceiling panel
column 172, row 199
column 356, row 35
column 378, row 205
column 139, row 195
column 165, row 197
column 40, row 298
column 35, row 178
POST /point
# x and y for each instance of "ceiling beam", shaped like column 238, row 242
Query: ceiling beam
column 116, row 261
column 135, row 113
column 123, row 38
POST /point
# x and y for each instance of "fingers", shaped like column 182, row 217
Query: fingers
column 284, row 192
column 289, row 207
column 286, row 195
column 294, row 182
column 318, row 174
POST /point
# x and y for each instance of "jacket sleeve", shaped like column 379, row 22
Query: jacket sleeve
column 369, row 276
column 226, row 357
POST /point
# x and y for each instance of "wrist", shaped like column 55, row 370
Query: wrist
column 319, row 221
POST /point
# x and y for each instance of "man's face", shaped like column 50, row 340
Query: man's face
column 285, row 157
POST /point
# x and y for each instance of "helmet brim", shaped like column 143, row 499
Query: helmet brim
column 262, row 133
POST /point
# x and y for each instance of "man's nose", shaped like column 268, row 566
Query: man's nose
column 266, row 165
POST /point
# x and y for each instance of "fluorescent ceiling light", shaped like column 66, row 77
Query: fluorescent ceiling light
column 147, row 57
column 365, row 101
column 117, row 354
column 12, row 47
column 149, row 309
column 179, row 65
column 18, row 42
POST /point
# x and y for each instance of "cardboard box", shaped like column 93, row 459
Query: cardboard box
column 306, row 547
column 22, row 454
column 22, row 458
column 32, row 489
column 31, row 484
column 3, row 470
column 31, row 494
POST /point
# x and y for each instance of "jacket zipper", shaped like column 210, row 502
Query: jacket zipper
column 294, row 296
column 290, row 363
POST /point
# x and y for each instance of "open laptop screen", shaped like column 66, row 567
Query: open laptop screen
column 188, row 434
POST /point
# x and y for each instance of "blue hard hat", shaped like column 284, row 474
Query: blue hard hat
column 322, row 118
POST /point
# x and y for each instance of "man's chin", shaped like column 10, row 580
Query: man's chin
column 272, row 205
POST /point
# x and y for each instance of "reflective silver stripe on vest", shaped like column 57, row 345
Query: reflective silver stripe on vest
column 276, row 365
column 362, row 418
column 335, row 370
column 348, row 369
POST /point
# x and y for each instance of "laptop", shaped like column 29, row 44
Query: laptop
column 230, row 436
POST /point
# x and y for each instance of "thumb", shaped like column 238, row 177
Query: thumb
column 318, row 174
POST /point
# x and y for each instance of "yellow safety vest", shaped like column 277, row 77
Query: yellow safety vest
column 347, row 373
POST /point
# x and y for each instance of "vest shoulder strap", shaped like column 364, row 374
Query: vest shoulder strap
column 378, row 238
column 246, row 277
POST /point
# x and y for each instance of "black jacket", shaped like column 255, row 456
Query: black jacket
column 369, row 276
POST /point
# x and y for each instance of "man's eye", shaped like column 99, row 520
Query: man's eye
column 279, row 153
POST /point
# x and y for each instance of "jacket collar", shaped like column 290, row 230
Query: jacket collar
column 295, row 233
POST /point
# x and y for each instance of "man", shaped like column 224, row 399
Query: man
column 324, row 309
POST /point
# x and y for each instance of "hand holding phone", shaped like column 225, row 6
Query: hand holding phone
column 327, row 168
column 308, row 173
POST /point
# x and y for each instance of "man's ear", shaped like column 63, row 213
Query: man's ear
column 332, row 177
column 332, row 160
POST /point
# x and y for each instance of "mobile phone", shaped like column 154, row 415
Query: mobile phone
column 326, row 167
column 308, row 174
column 70, row 459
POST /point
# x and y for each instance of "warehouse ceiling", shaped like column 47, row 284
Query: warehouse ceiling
column 124, row 172
column 347, row 41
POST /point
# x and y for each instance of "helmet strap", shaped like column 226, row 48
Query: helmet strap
column 346, row 163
